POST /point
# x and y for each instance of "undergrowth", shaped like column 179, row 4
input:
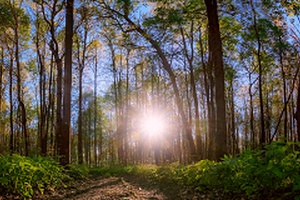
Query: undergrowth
column 23, row 176
column 254, row 174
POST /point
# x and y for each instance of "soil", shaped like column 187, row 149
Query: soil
column 114, row 188
column 126, row 188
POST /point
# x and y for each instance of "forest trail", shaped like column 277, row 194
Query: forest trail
column 115, row 188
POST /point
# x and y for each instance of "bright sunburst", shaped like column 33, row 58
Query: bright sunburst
column 153, row 125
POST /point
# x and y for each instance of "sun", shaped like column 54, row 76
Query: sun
column 153, row 125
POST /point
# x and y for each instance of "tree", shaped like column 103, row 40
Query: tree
column 216, row 61
column 65, row 146
column 81, row 59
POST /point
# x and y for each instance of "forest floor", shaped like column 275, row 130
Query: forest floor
column 115, row 188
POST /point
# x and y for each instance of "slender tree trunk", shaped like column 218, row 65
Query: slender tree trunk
column 285, row 120
column 89, row 138
column 11, row 114
column 96, row 114
column 262, row 139
column 121, row 117
column 1, row 95
column 235, row 142
column 126, row 149
column 210, row 131
column 185, row 144
column 139, row 152
column 43, row 131
column 116, row 97
column 251, row 110
column 298, row 111
column 81, row 60
column 80, row 148
column 97, row 158
column 21, row 106
column 51, row 106
column 193, row 87
column 247, row 134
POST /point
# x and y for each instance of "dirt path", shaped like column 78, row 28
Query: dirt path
column 114, row 188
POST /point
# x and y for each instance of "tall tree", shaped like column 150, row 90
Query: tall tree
column 216, row 60
column 81, row 58
column 262, row 138
column 65, row 146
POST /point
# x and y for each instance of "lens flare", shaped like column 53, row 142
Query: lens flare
column 153, row 125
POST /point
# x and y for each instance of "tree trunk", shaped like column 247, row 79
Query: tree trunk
column 51, row 106
column 65, row 149
column 210, row 130
column 193, row 87
column 298, row 110
column 43, row 131
column 11, row 113
column 285, row 120
column 80, row 148
column 215, row 49
column 251, row 110
column 96, row 115
column 21, row 107
column 1, row 95
column 262, row 139
column 126, row 149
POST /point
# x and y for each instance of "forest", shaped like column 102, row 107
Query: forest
column 201, row 93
